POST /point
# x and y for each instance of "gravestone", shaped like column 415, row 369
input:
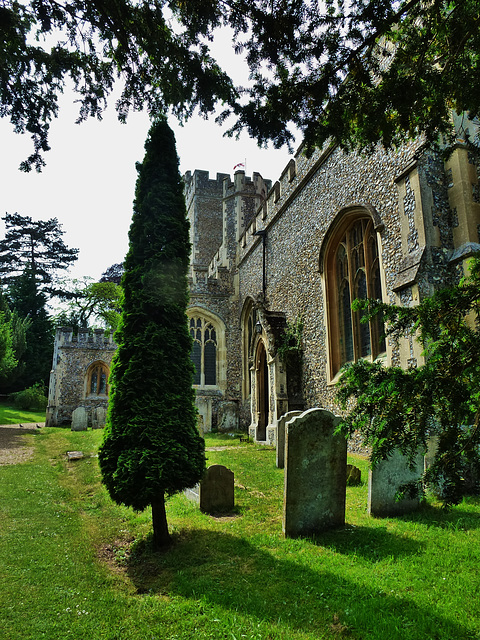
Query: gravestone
column 200, row 424
column 228, row 416
column 217, row 490
column 281, row 436
column 354, row 475
column 384, row 481
column 315, row 478
column 74, row 455
column 80, row 419
column 99, row 416
column 193, row 494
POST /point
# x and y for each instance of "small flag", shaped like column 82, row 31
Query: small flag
column 240, row 164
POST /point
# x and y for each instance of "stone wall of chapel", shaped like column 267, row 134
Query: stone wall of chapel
column 72, row 359
column 299, row 211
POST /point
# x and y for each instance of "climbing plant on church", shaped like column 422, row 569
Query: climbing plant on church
column 151, row 447
column 437, row 402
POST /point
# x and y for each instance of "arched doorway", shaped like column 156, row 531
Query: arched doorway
column 263, row 395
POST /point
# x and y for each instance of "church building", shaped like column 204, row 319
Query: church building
column 275, row 268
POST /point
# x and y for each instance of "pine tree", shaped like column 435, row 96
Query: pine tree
column 36, row 245
column 151, row 447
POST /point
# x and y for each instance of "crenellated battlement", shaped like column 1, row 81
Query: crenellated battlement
column 85, row 339
column 200, row 183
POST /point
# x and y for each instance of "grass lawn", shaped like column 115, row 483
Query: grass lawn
column 11, row 415
column 75, row 565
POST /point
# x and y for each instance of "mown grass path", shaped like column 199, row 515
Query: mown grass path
column 74, row 565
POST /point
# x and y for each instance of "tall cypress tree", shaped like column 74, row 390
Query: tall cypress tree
column 151, row 446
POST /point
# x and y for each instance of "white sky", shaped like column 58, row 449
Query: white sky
column 89, row 180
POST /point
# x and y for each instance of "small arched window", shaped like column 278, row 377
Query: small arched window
column 97, row 382
column 353, row 272
column 204, row 351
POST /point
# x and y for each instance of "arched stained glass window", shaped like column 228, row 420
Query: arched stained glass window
column 204, row 351
column 97, row 379
column 353, row 270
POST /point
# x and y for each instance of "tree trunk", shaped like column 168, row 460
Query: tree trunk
column 161, row 537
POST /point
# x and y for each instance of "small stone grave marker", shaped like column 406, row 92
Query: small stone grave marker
column 217, row 490
column 74, row 455
column 80, row 419
column 99, row 416
column 354, row 475
column 384, row 481
column 281, row 436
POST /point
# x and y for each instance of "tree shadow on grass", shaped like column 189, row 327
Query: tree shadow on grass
column 229, row 572
column 454, row 519
column 371, row 543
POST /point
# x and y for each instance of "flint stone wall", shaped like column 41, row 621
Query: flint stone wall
column 72, row 358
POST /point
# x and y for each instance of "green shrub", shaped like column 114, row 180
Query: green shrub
column 32, row 398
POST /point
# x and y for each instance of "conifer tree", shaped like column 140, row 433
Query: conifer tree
column 151, row 447
column 29, row 304
column 437, row 402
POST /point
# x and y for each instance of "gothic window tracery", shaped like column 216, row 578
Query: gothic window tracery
column 97, row 380
column 353, row 272
column 204, row 351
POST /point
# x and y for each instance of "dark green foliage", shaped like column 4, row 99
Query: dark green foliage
column 360, row 72
column 290, row 347
column 36, row 245
column 30, row 303
column 30, row 255
column 396, row 408
column 32, row 398
column 355, row 72
column 151, row 444
column 13, row 344
column 114, row 273
column 92, row 44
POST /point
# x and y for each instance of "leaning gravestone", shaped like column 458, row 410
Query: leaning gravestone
column 80, row 419
column 281, row 436
column 99, row 415
column 315, row 478
column 217, row 490
column 384, row 481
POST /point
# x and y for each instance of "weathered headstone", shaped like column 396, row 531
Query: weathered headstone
column 200, row 424
column 385, row 480
column 228, row 416
column 315, row 479
column 281, row 436
column 193, row 494
column 354, row 475
column 80, row 419
column 99, row 416
column 217, row 490
column 204, row 407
